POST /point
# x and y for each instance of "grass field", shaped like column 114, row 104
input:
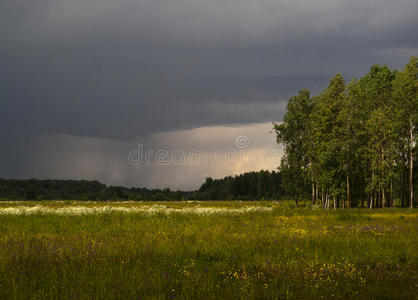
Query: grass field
column 205, row 250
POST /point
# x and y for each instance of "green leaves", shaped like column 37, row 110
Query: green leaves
column 361, row 132
column 294, row 134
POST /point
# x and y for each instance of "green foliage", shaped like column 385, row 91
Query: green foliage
column 34, row 189
column 355, row 143
column 293, row 133
column 247, row 186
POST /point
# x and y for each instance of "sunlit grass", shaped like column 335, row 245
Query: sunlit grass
column 257, row 250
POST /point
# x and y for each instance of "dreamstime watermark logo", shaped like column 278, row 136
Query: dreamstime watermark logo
column 240, row 153
column 242, row 141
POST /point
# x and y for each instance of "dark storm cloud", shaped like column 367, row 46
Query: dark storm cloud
column 126, row 69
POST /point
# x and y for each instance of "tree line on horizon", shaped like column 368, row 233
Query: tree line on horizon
column 261, row 185
column 354, row 144
column 87, row 190
column 248, row 186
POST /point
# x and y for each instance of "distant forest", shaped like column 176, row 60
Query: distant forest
column 354, row 144
column 248, row 186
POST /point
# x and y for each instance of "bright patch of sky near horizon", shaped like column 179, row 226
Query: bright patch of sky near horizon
column 186, row 157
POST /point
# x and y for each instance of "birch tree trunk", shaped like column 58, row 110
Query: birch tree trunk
column 403, row 189
column 383, row 198
column 411, row 187
column 313, row 192
column 348, row 191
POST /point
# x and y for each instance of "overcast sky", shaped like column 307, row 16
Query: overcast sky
column 84, row 82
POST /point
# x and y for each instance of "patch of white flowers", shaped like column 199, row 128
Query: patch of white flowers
column 155, row 209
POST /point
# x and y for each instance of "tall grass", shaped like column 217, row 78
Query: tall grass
column 282, row 252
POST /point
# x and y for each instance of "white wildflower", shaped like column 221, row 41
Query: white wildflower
column 154, row 209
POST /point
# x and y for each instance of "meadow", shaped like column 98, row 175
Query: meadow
column 205, row 250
